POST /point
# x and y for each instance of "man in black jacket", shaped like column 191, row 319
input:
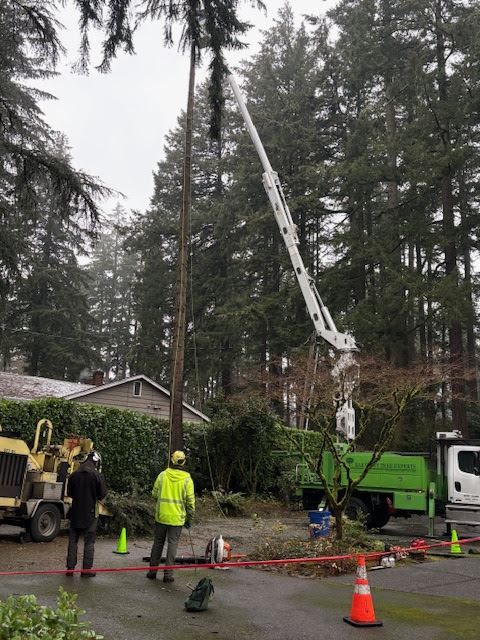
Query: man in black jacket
column 86, row 486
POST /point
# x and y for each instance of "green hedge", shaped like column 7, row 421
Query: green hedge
column 134, row 446
column 240, row 442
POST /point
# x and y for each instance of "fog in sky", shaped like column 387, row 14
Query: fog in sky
column 116, row 122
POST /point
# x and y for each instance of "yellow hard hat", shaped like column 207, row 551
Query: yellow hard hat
column 178, row 457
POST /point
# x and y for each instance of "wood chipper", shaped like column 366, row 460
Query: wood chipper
column 34, row 482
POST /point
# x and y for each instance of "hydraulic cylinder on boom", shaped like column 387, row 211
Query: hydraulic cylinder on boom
column 345, row 371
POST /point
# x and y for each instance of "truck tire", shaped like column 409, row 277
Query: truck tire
column 381, row 515
column 378, row 522
column 358, row 510
column 45, row 524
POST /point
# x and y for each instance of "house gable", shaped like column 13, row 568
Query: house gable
column 138, row 393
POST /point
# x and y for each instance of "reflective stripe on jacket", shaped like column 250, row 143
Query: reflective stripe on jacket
column 174, row 492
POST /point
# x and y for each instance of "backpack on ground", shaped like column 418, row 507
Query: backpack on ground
column 198, row 599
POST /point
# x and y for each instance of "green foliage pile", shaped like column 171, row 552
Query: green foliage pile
column 135, row 512
column 22, row 617
column 355, row 539
column 232, row 504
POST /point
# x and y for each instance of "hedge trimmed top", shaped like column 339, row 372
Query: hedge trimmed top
column 240, row 442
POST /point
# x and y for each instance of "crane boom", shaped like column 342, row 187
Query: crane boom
column 322, row 320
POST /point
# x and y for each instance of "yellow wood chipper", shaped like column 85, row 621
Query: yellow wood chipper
column 34, row 482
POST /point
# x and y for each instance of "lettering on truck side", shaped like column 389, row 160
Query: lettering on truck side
column 386, row 466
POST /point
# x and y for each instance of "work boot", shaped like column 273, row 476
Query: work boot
column 88, row 574
column 168, row 578
column 152, row 575
column 69, row 573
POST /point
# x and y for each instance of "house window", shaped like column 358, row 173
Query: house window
column 137, row 388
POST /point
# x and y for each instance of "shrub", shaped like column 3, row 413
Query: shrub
column 22, row 617
column 240, row 442
column 356, row 540
column 232, row 504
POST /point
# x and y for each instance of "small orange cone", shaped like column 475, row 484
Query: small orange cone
column 362, row 613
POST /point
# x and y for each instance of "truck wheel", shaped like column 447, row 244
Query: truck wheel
column 381, row 515
column 380, row 520
column 45, row 524
column 358, row 510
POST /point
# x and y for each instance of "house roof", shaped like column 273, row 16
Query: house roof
column 94, row 389
column 14, row 386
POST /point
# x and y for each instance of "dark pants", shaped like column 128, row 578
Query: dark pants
column 172, row 535
column 88, row 545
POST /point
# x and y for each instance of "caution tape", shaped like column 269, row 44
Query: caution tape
column 242, row 563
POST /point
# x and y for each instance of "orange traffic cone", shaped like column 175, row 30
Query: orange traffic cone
column 362, row 613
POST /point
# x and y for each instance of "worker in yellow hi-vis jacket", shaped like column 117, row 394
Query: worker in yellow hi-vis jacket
column 174, row 493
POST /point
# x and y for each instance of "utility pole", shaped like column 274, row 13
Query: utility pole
column 178, row 343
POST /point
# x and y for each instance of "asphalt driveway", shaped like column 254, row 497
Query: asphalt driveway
column 433, row 601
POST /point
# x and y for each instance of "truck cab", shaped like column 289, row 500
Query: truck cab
column 458, row 470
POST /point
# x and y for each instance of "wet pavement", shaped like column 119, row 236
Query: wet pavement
column 438, row 600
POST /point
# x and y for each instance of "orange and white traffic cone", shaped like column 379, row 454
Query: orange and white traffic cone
column 362, row 613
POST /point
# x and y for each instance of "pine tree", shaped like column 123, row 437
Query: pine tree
column 112, row 272
column 30, row 168
column 355, row 126
column 53, row 291
column 280, row 84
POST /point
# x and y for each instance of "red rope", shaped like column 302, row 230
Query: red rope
column 242, row 563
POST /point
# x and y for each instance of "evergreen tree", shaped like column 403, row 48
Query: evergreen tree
column 154, row 237
column 370, row 118
column 112, row 272
column 31, row 170
column 53, row 291
column 280, row 83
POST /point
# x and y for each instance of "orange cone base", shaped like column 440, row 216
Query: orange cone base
column 354, row 623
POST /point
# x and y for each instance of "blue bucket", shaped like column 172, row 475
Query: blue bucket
column 319, row 523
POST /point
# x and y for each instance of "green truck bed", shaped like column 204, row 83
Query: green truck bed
column 405, row 477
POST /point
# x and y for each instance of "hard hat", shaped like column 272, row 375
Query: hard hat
column 96, row 459
column 178, row 457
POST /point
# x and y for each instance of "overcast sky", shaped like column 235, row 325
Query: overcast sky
column 116, row 122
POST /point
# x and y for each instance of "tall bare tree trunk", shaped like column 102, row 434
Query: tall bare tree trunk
column 467, row 260
column 178, row 344
column 421, row 305
column 455, row 338
column 395, row 313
